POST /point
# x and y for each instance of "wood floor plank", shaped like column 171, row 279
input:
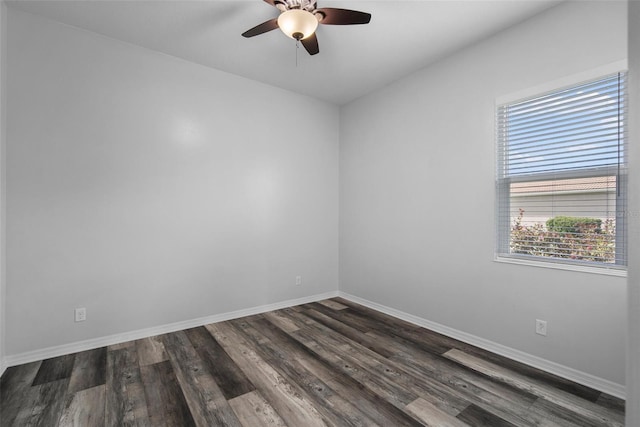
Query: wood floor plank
column 379, row 319
column 43, row 404
column 229, row 377
column 432, row 416
column 296, row 354
column 475, row 416
column 351, row 333
column 344, row 316
column 121, row 346
column 206, row 401
column 126, row 404
column 85, row 408
column 14, row 386
column 294, row 308
column 333, row 304
column 89, row 370
column 572, row 403
column 611, row 402
column 558, row 416
column 335, row 409
column 294, row 408
column 254, row 411
column 150, row 351
column 54, row 369
column 277, row 318
column 397, row 329
column 165, row 402
column 349, row 361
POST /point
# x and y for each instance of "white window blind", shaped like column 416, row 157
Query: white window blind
column 561, row 175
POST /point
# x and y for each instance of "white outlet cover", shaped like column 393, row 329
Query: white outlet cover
column 80, row 314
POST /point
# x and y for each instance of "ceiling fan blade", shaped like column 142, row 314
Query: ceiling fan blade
column 311, row 44
column 333, row 16
column 266, row 26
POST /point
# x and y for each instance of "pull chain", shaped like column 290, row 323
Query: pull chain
column 297, row 47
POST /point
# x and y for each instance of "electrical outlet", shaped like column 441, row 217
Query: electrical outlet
column 541, row 327
column 81, row 314
column 298, row 280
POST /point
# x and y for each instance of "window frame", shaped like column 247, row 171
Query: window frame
column 501, row 247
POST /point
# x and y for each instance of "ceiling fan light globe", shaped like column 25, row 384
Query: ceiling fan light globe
column 296, row 21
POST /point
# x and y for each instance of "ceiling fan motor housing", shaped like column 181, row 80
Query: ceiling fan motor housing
column 308, row 5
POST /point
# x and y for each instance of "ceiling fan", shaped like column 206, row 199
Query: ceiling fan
column 299, row 19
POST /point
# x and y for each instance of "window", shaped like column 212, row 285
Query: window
column 561, row 176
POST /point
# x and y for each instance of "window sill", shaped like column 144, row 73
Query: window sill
column 570, row 267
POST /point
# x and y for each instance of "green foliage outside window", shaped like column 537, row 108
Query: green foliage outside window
column 574, row 224
column 577, row 238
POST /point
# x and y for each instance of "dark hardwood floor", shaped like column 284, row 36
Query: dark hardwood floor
column 331, row 363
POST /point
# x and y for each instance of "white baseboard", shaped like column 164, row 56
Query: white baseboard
column 3, row 366
column 47, row 353
column 571, row 374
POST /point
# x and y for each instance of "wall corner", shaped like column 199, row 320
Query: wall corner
column 3, row 133
column 633, row 280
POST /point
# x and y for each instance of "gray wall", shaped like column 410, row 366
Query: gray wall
column 151, row 190
column 633, row 354
column 3, row 51
column 417, row 196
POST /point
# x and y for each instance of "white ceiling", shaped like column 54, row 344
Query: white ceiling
column 403, row 36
